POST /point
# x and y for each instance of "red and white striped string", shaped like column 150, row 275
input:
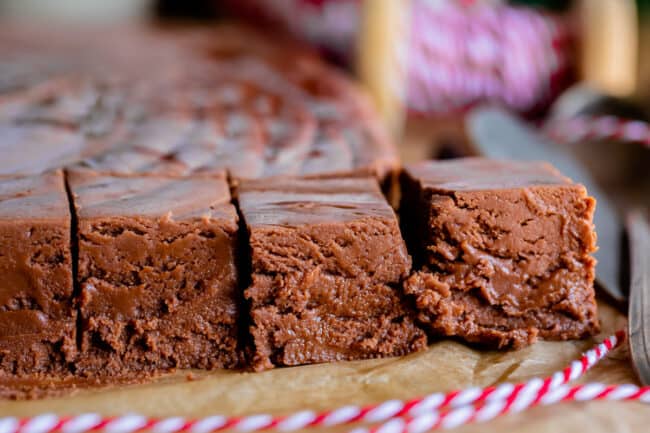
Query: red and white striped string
column 435, row 410
column 464, row 53
column 531, row 397
column 459, row 52
column 584, row 128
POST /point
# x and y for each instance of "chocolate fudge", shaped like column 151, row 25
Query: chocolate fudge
column 157, row 271
column 326, row 258
column 503, row 250
column 148, row 144
column 129, row 106
column 37, row 318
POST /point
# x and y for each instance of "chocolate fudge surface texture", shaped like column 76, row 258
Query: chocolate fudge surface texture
column 157, row 273
column 246, row 105
column 326, row 260
column 37, row 318
column 503, row 251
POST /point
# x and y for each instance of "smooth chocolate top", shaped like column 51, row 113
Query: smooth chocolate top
column 98, row 196
column 295, row 202
column 479, row 174
column 246, row 105
column 37, row 148
column 34, row 197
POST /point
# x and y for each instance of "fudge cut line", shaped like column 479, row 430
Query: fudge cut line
column 503, row 251
column 37, row 317
column 157, row 271
column 326, row 259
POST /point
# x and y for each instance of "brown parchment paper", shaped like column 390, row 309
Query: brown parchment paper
column 445, row 365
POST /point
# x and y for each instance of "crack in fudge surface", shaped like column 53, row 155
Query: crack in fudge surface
column 157, row 273
column 326, row 259
column 503, row 250
column 37, row 319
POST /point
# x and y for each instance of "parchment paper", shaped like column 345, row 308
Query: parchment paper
column 446, row 365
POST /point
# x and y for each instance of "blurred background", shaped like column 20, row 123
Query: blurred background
column 577, row 70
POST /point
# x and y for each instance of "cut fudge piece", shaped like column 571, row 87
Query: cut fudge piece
column 157, row 273
column 505, row 249
column 326, row 257
column 37, row 318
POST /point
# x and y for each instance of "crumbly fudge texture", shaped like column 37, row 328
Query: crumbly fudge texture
column 37, row 318
column 326, row 258
column 503, row 250
column 157, row 273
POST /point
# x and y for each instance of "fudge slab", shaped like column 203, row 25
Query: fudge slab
column 504, row 251
column 157, row 273
column 249, row 105
column 37, row 318
column 326, row 259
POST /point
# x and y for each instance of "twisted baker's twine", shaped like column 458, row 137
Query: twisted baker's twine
column 438, row 409
column 531, row 395
column 585, row 127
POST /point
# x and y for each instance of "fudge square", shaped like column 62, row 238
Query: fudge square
column 504, row 249
column 157, row 271
column 326, row 259
column 37, row 318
